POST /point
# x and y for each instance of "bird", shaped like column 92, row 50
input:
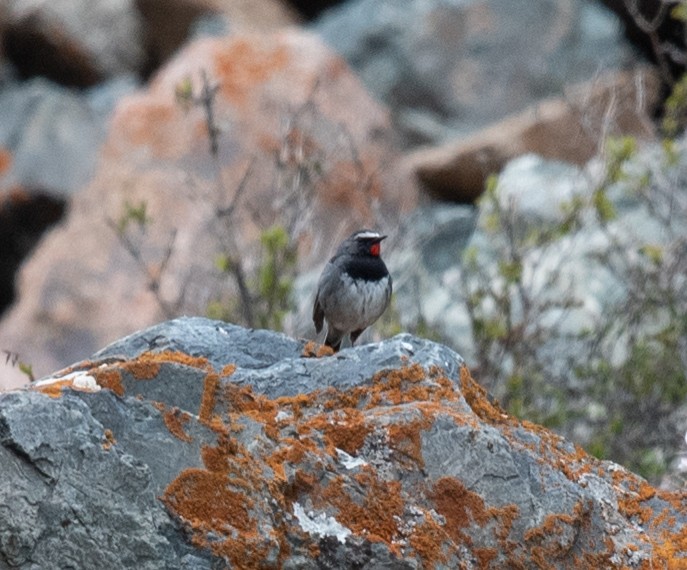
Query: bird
column 354, row 288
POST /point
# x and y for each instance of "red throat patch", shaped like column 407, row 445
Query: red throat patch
column 375, row 249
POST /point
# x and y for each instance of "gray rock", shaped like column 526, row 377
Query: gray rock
column 74, row 501
column 433, row 61
column 52, row 135
column 382, row 456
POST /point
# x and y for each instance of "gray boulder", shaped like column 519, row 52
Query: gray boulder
column 447, row 67
column 199, row 444
column 53, row 136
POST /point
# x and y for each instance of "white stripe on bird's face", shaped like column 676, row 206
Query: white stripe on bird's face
column 368, row 235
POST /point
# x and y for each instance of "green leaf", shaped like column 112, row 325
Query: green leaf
column 603, row 206
column 652, row 252
column 511, row 271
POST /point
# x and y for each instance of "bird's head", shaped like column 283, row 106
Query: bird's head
column 363, row 242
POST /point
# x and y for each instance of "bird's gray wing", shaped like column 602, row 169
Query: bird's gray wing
column 328, row 282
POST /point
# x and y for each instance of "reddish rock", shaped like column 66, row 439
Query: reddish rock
column 571, row 129
column 291, row 116
column 82, row 42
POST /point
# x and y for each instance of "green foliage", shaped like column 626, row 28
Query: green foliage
column 136, row 214
column 510, row 327
column 603, row 206
column 27, row 370
column 275, row 277
column 675, row 109
column 679, row 11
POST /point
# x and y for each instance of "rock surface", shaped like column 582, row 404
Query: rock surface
column 300, row 143
column 77, row 42
column 571, row 129
column 199, row 444
column 448, row 68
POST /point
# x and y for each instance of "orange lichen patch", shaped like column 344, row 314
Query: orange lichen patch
column 485, row 556
column 5, row 160
column 459, row 506
column 245, row 65
column 478, row 399
column 204, row 498
column 337, row 399
column 671, row 550
column 552, row 540
column 406, row 440
column 633, row 494
column 175, row 420
column 228, row 370
column 209, row 400
column 109, row 440
column 150, row 124
column 429, row 540
column 147, row 365
column 109, row 377
column 242, row 401
column 54, row 389
column 392, row 387
column 345, row 429
column 375, row 511
column 296, row 405
column 215, row 458
column 314, row 350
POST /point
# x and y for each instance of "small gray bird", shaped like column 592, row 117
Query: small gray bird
column 354, row 289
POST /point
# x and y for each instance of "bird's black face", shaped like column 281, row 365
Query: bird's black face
column 363, row 243
column 367, row 243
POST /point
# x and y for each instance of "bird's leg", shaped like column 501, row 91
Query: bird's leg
column 355, row 335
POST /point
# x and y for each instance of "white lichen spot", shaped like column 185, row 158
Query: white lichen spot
column 85, row 382
column 283, row 415
column 407, row 347
column 79, row 380
column 321, row 525
column 348, row 461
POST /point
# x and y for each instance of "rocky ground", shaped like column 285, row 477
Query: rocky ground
column 201, row 444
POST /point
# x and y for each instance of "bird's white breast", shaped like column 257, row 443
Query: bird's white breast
column 359, row 303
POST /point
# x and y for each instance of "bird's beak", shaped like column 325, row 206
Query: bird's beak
column 382, row 238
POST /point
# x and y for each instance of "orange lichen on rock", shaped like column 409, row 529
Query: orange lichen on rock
column 175, row 420
column 145, row 122
column 209, row 400
column 459, row 506
column 146, row 366
column 345, row 430
column 406, row 440
column 109, row 439
column 5, row 160
column 228, row 370
column 430, row 540
column 53, row 389
column 478, row 399
column 634, row 493
column 314, row 350
column 109, row 377
column 373, row 512
column 246, row 64
column 205, row 499
column 555, row 537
